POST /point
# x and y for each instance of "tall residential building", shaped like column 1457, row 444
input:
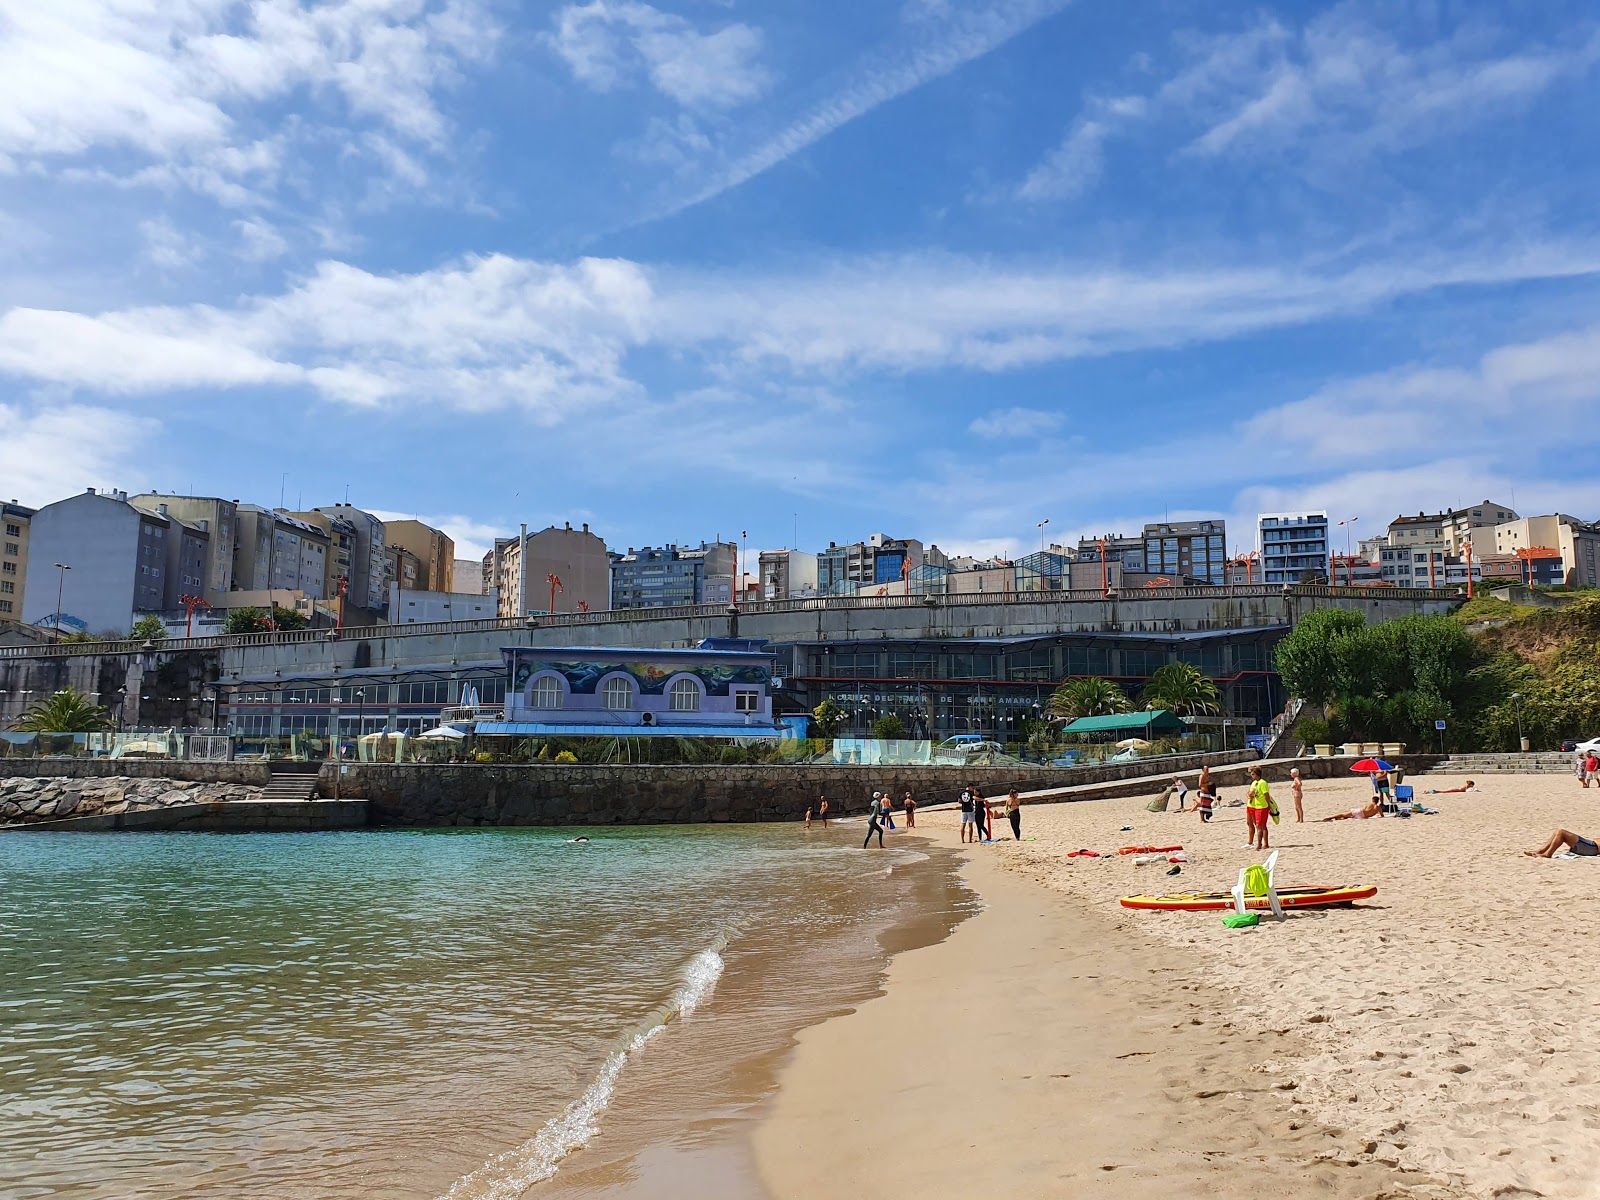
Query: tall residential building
column 787, row 574
column 468, row 575
column 360, row 550
column 116, row 558
column 278, row 551
column 16, row 521
column 657, row 578
column 433, row 548
column 1462, row 523
column 1187, row 548
column 880, row 559
column 1577, row 543
column 1129, row 552
column 1293, row 546
column 219, row 518
column 519, row 569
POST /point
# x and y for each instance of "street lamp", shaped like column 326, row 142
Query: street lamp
column 1333, row 575
column 1041, row 525
column 61, row 586
column 1516, row 700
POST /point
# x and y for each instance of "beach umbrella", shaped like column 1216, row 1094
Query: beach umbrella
column 1368, row 765
column 444, row 731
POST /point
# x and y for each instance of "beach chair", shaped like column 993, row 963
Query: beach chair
column 1257, row 881
column 1404, row 800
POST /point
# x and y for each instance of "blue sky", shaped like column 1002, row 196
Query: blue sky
column 935, row 268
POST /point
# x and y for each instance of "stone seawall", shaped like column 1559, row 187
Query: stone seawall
column 245, row 774
column 576, row 794
column 26, row 801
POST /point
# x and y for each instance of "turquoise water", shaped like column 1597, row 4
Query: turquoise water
column 372, row 1014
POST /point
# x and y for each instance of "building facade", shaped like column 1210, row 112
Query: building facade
column 358, row 550
column 468, row 575
column 219, row 518
column 16, row 522
column 1187, row 549
column 278, row 551
column 518, row 570
column 787, row 574
column 673, row 575
column 1129, row 552
column 1293, row 547
column 434, row 550
column 115, row 554
column 417, row 608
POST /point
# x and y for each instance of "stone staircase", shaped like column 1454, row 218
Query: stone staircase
column 298, row 785
column 1550, row 762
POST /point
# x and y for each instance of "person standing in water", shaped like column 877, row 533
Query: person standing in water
column 1014, row 814
column 873, row 824
column 1297, row 789
column 910, row 805
column 822, row 810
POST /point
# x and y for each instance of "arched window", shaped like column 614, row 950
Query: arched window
column 685, row 696
column 619, row 694
column 547, row 692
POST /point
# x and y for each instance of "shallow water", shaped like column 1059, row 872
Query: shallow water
column 416, row 1013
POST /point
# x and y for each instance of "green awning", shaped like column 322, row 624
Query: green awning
column 1158, row 721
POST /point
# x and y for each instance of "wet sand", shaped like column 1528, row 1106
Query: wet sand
column 1432, row 1042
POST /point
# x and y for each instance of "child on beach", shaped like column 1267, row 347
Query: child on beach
column 808, row 818
column 1258, row 809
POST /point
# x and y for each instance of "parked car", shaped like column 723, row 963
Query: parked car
column 970, row 744
column 1582, row 747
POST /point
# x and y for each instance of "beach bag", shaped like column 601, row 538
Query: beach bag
column 1238, row 920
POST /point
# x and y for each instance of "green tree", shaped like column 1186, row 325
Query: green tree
column 1310, row 659
column 149, row 629
column 67, row 711
column 828, row 718
column 889, row 728
column 1090, row 697
column 255, row 620
column 1182, row 689
column 288, row 618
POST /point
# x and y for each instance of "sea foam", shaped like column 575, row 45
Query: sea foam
column 508, row 1175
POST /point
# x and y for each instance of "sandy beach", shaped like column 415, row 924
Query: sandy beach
column 1433, row 1041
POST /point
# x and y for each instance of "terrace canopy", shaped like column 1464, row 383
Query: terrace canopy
column 1142, row 724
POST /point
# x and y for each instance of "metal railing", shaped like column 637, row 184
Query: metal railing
column 685, row 612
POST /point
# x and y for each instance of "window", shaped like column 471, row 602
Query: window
column 685, row 696
column 619, row 694
column 5, row 606
column 12, row 549
column 7, row 587
column 8, row 568
column 13, row 530
column 547, row 692
column 747, row 702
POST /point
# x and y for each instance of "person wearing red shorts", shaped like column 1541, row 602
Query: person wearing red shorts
column 1258, row 809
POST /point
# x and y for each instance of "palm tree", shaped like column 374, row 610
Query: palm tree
column 67, row 711
column 1091, row 697
column 1181, row 689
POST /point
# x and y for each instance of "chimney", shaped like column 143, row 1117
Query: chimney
column 586, row 527
column 88, row 491
column 162, row 509
column 569, row 525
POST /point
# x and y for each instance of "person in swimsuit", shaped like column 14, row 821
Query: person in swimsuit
column 1380, row 784
column 910, row 805
column 967, row 814
column 1565, row 839
column 1372, row 809
column 1297, row 789
column 888, row 810
column 822, row 810
column 1466, row 787
column 982, row 818
column 1014, row 814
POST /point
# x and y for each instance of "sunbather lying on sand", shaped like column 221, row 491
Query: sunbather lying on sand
column 1565, row 839
column 1466, row 787
column 1372, row 809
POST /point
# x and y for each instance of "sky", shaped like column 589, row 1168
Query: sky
column 804, row 271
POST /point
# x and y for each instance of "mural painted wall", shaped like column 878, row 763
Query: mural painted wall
column 583, row 678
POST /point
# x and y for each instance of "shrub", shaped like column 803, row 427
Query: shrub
column 566, row 756
column 731, row 756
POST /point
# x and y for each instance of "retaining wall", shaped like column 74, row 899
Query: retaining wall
column 254, row 774
column 240, row 816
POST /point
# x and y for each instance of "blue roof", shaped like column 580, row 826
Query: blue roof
column 543, row 729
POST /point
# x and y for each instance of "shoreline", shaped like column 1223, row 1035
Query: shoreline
column 1040, row 1050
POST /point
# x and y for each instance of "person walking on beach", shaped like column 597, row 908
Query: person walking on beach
column 822, row 810
column 1297, row 789
column 967, row 814
column 910, row 805
column 874, row 826
column 888, row 809
column 1258, row 809
column 1014, row 814
column 1591, row 767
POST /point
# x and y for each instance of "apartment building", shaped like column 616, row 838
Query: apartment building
column 841, row 570
column 1191, row 549
column 434, row 550
column 1293, row 547
column 105, row 558
column 16, row 522
column 1575, row 543
column 219, row 519
column 518, row 569
column 787, row 574
column 278, row 551
column 652, row 577
column 358, row 550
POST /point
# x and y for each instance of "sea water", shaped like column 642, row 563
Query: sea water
column 471, row 1014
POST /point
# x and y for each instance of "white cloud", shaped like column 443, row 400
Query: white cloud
column 172, row 80
column 553, row 339
column 1016, row 423
column 1071, row 168
column 52, row 449
column 608, row 42
column 165, row 246
column 259, row 241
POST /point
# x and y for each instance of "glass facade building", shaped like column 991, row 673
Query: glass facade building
column 1293, row 546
